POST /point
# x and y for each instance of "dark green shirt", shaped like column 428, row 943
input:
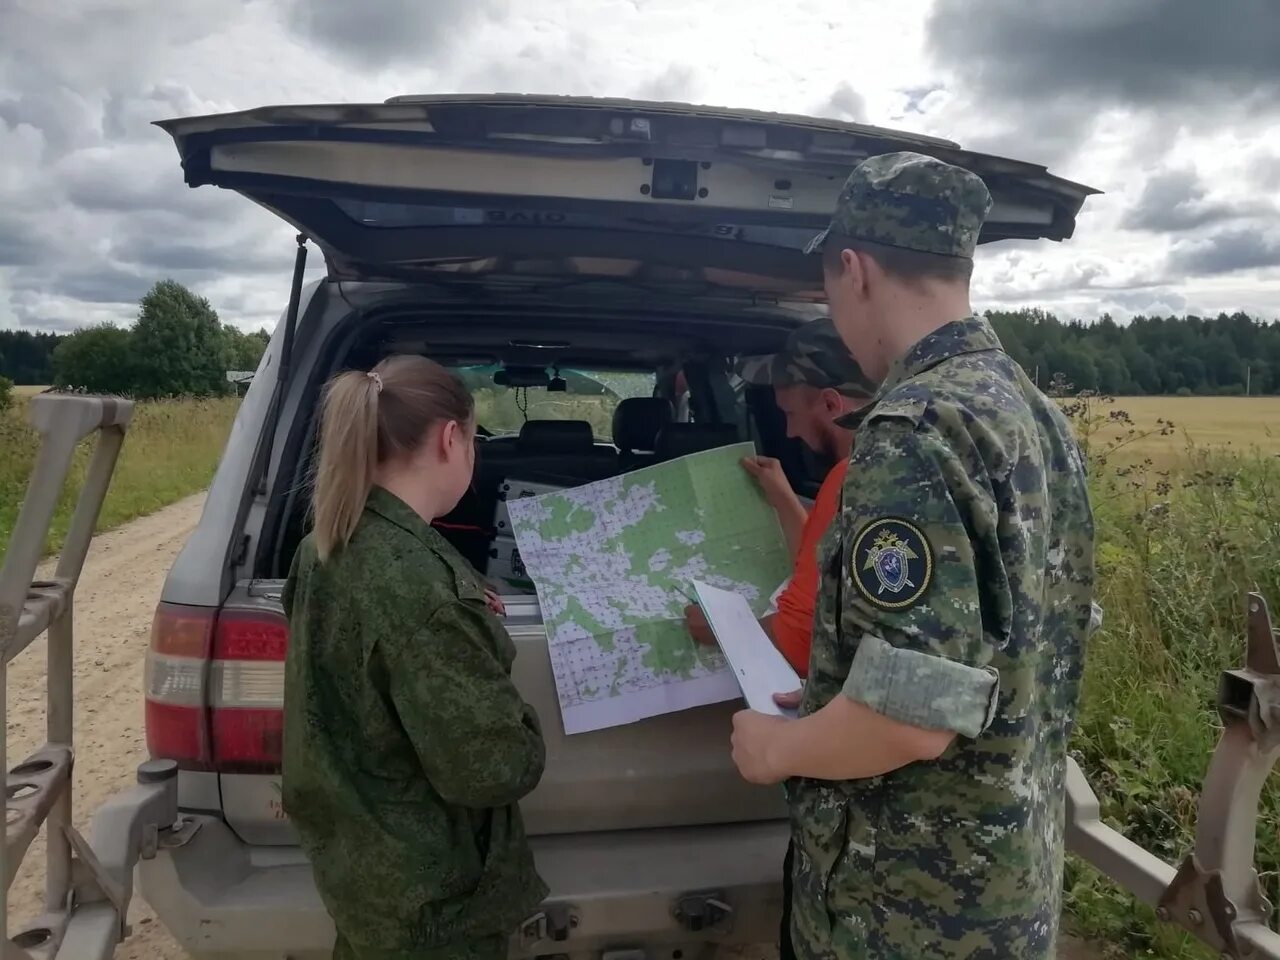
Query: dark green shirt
column 406, row 746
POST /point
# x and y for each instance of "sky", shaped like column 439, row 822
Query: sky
column 1170, row 107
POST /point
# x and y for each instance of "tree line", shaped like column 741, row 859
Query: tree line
column 1226, row 355
column 178, row 346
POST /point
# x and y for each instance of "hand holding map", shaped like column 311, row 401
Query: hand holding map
column 612, row 561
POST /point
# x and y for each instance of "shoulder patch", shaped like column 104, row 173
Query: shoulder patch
column 903, row 406
column 891, row 563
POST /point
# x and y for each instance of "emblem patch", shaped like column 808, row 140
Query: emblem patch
column 891, row 563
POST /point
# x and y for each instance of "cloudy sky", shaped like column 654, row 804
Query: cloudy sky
column 1172, row 107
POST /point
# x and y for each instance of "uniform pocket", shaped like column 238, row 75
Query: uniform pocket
column 820, row 826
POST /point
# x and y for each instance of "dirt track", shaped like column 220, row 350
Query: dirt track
column 117, row 593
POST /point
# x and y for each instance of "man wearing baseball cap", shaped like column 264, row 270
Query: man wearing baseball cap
column 926, row 771
column 815, row 383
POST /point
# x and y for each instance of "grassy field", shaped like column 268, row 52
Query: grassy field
column 1188, row 520
column 1187, row 498
column 1163, row 426
column 169, row 453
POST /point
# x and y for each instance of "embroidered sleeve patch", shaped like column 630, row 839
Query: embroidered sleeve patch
column 891, row 563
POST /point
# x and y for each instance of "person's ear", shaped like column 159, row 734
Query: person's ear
column 831, row 401
column 859, row 270
column 450, row 433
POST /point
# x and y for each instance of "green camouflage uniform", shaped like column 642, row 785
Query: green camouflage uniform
column 956, row 594
column 406, row 746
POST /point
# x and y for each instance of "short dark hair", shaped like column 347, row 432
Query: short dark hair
column 908, row 266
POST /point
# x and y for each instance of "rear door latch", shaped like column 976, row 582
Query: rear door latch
column 703, row 911
column 553, row 922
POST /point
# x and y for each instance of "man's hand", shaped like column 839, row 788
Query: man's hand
column 789, row 701
column 753, row 740
column 494, row 602
column 773, row 482
column 792, row 515
column 695, row 622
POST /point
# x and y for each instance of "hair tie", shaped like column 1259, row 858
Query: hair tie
column 377, row 380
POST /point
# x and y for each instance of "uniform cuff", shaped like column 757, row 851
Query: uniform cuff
column 922, row 689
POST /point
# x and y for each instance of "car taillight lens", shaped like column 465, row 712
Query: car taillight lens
column 215, row 688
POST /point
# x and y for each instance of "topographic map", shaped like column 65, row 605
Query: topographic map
column 611, row 562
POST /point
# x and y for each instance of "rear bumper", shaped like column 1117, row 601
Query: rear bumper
column 222, row 899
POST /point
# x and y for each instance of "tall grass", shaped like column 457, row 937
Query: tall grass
column 170, row 452
column 1177, row 551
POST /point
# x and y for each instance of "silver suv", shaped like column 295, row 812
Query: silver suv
column 519, row 239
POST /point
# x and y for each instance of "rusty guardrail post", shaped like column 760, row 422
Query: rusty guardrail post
column 38, row 791
column 1214, row 894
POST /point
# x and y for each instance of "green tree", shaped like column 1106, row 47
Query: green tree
column 179, row 346
column 6, row 394
column 245, row 349
column 97, row 359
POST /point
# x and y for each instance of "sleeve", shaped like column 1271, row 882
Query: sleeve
column 910, row 587
column 479, row 743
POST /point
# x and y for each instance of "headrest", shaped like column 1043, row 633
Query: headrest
column 555, row 436
column 637, row 420
column 679, row 439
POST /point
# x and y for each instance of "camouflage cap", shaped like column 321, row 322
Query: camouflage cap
column 815, row 356
column 911, row 201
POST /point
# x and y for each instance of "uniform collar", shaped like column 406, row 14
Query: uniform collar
column 971, row 334
column 395, row 511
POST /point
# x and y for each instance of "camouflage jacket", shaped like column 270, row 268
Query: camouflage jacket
column 956, row 594
column 406, row 746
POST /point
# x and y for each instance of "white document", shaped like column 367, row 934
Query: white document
column 761, row 671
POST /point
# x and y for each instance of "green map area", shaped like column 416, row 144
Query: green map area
column 611, row 562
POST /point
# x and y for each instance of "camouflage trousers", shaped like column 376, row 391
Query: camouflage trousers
column 489, row 948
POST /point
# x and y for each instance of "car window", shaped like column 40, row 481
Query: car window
column 589, row 395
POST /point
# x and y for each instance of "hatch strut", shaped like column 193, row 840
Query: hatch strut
column 88, row 885
column 262, row 456
column 291, row 315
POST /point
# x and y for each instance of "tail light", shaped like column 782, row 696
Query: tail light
column 215, row 688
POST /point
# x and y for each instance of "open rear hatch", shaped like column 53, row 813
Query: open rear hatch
column 571, row 186
column 504, row 188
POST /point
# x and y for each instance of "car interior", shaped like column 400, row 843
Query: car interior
column 576, row 405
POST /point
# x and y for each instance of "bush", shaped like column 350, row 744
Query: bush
column 6, row 394
column 97, row 359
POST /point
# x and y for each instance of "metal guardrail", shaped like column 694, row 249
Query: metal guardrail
column 39, row 790
column 1214, row 894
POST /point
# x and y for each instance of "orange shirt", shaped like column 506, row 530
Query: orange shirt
column 793, row 623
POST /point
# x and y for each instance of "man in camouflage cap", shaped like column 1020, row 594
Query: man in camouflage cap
column 815, row 383
column 926, row 772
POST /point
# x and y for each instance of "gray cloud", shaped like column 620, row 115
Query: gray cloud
column 103, row 284
column 1266, row 172
column 1121, row 51
column 678, row 82
column 379, row 34
column 844, row 103
column 1177, row 200
column 1043, row 71
column 1242, row 248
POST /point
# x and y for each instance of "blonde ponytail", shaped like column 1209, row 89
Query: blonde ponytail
column 366, row 419
column 348, row 458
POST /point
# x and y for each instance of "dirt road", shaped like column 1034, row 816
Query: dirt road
column 114, row 602
column 117, row 593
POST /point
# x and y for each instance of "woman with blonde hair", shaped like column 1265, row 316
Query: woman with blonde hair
column 406, row 746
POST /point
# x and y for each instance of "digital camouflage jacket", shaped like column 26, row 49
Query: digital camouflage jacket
column 956, row 594
column 406, row 746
